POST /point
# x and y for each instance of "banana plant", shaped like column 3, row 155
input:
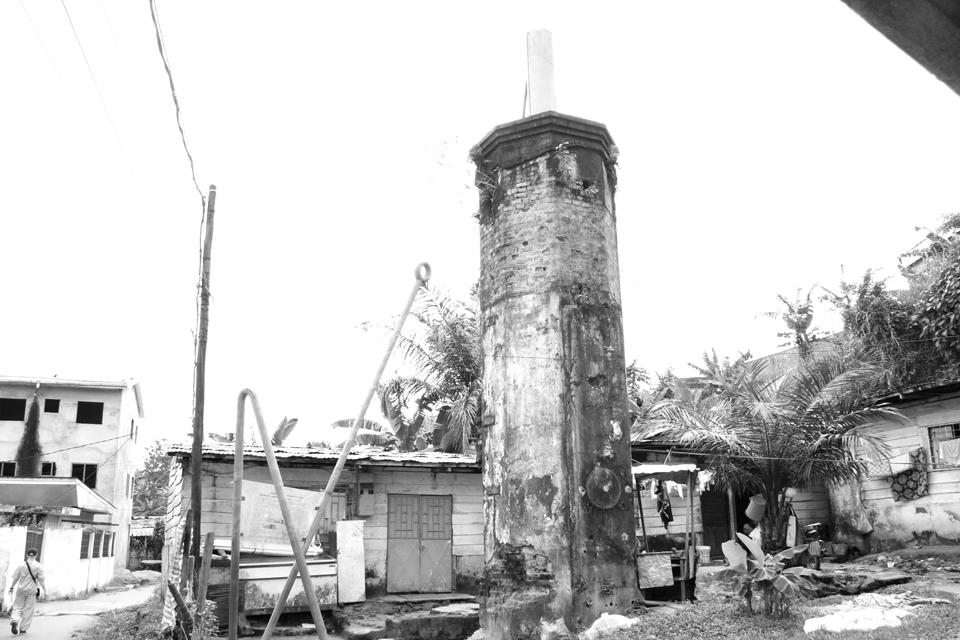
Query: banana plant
column 766, row 576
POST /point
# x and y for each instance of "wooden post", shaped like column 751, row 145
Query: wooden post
column 732, row 512
column 200, row 367
column 185, row 552
column 693, row 542
column 181, row 608
column 643, row 525
column 203, row 580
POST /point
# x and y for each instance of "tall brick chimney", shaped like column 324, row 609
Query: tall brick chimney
column 559, row 528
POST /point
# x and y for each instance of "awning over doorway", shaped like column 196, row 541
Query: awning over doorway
column 674, row 472
column 52, row 493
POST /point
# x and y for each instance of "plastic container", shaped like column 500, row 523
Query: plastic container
column 704, row 553
column 756, row 508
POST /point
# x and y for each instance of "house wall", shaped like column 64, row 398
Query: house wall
column 65, row 574
column 65, row 442
column 681, row 514
column 811, row 505
column 464, row 487
column 934, row 518
column 467, row 492
column 13, row 543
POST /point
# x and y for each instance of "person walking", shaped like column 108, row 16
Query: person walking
column 26, row 586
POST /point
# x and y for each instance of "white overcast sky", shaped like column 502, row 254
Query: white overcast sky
column 764, row 146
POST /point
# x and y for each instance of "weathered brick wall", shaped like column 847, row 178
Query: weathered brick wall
column 518, row 254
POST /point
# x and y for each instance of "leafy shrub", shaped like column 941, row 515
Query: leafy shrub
column 765, row 577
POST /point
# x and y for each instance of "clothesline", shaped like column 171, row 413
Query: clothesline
column 895, row 461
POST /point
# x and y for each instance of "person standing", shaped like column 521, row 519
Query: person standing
column 26, row 587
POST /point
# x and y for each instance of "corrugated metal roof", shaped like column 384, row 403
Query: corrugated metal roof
column 62, row 382
column 369, row 455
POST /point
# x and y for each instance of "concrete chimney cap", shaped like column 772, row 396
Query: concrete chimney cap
column 512, row 143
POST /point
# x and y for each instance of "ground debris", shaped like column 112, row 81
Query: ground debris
column 921, row 565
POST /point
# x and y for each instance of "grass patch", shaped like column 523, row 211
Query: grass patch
column 720, row 620
column 140, row 622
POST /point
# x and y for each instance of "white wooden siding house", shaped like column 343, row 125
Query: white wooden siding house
column 714, row 521
column 870, row 515
column 418, row 518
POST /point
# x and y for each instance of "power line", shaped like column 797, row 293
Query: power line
column 99, row 466
column 93, row 77
column 193, row 173
column 79, row 446
column 176, row 102
column 43, row 45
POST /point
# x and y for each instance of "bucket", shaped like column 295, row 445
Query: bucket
column 704, row 553
column 756, row 508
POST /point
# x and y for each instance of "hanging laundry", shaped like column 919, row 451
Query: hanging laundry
column 704, row 480
column 663, row 504
column 675, row 487
column 912, row 483
column 900, row 462
column 950, row 453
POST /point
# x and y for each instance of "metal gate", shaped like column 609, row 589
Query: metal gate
column 419, row 543
column 34, row 541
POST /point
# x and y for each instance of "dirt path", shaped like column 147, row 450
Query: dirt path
column 60, row 619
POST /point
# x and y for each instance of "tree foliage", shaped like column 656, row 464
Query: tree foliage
column 797, row 315
column 765, row 431
column 150, row 484
column 445, row 354
column 916, row 332
column 884, row 322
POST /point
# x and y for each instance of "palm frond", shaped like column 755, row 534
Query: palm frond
column 463, row 417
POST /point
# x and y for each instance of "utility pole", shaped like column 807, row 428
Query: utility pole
column 200, row 365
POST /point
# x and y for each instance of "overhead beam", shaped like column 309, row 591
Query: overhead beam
column 926, row 30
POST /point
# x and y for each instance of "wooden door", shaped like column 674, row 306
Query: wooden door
column 419, row 543
column 715, row 513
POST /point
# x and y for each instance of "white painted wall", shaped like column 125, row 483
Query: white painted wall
column 13, row 542
column 65, row 442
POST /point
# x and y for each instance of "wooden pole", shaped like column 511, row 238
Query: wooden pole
column 691, row 483
column 732, row 512
column 200, row 367
column 185, row 551
column 181, row 608
column 643, row 525
column 203, row 580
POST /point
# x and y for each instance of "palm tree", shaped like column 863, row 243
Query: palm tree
column 370, row 432
column 445, row 353
column 766, row 432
